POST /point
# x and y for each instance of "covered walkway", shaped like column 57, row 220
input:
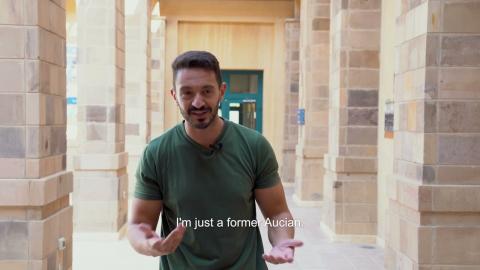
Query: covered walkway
column 319, row 253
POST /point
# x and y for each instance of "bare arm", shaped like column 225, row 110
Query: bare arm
column 273, row 205
column 141, row 230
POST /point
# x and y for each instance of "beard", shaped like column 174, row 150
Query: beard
column 210, row 115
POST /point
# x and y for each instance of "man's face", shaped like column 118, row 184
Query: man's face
column 198, row 96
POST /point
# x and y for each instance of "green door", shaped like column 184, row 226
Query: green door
column 242, row 103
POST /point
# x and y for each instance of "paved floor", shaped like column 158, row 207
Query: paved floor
column 318, row 253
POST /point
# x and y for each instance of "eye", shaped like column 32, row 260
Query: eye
column 186, row 94
column 207, row 91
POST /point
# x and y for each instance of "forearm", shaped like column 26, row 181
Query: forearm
column 282, row 231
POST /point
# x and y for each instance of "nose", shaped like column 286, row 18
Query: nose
column 198, row 101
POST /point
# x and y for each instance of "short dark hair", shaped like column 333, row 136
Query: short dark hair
column 196, row 59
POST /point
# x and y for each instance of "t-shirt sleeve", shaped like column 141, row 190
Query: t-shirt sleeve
column 148, row 184
column 266, row 173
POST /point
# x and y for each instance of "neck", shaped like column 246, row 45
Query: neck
column 206, row 136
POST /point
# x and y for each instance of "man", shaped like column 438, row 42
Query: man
column 207, row 172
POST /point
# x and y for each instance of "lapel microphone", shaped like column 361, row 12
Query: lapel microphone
column 216, row 146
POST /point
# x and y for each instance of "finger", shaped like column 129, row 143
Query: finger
column 152, row 242
column 288, row 254
column 269, row 258
column 174, row 238
column 280, row 259
column 155, row 253
column 288, row 257
column 283, row 255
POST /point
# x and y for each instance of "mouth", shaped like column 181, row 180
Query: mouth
column 199, row 113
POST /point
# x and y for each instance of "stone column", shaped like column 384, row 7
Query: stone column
column 101, row 180
column 137, row 83
column 350, row 187
column 313, row 97
column 435, row 198
column 292, row 38
column 158, row 76
column 35, row 213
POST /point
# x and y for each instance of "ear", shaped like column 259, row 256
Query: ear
column 223, row 89
column 173, row 93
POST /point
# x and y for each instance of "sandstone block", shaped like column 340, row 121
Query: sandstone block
column 96, row 132
column 459, row 149
column 456, row 116
column 11, row 12
column 13, row 240
column 12, row 76
column 461, row 17
column 362, row 135
column 360, row 213
column 364, row 20
column 12, row 42
column 12, row 168
column 452, row 243
column 363, row 40
column 12, row 109
column 12, row 144
column 459, row 83
column 468, row 45
column 101, row 162
column 359, row 192
column 14, row 192
column 363, row 117
column 456, row 198
column 362, row 4
column 363, row 79
column 362, row 98
column 459, row 175
column 320, row 24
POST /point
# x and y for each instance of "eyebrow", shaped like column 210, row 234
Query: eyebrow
column 185, row 88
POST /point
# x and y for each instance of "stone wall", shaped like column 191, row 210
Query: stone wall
column 157, row 76
column 101, row 181
column 137, row 84
column 35, row 213
column 313, row 97
column 434, row 200
column 350, row 180
column 290, row 133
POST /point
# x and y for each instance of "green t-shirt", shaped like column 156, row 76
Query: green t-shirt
column 198, row 184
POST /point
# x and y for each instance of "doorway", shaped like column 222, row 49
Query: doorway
column 242, row 103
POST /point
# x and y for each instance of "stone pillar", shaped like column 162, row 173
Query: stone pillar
column 158, row 76
column 313, row 97
column 101, row 180
column 350, row 187
column 137, row 83
column 435, row 198
column 35, row 213
column 290, row 140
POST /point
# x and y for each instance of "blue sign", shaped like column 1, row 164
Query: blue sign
column 71, row 100
column 301, row 117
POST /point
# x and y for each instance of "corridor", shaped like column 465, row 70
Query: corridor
column 318, row 252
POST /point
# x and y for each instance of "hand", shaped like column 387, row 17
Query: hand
column 156, row 246
column 282, row 252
